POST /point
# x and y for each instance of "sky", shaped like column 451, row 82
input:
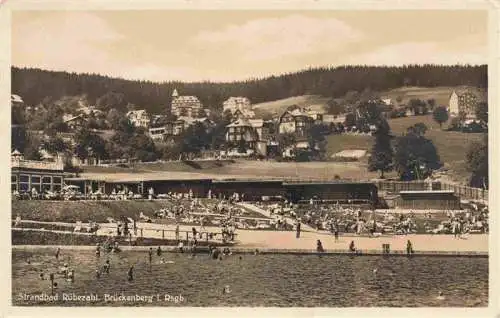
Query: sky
column 236, row 45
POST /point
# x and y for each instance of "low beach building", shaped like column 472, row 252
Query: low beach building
column 27, row 175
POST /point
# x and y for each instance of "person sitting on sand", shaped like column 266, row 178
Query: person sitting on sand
column 226, row 251
column 42, row 276
column 352, row 248
column 158, row 251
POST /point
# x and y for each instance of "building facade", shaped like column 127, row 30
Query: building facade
column 158, row 133
column 295, row 122
column 188, row 106
column 139, row 118
column 27, row 175
column 75, row 122
column 233, row 104
column 463, row 103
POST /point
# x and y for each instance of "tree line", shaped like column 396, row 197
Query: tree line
column 38, row 86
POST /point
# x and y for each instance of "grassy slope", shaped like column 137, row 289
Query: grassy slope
column 440, row 94
column 72, row 211
column 451, row 146
column 315, row 102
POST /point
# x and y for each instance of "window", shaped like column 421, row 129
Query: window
column 56, row 187
column 23, row 186
column 13, row 187
column 35, row 179
column 45, row 187
column 24, row 178
column 46, row 180
column 57, row 180
column 36, row 186
column 13, row 179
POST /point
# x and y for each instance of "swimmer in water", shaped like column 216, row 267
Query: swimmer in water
column 226, row 290
column 440, row 296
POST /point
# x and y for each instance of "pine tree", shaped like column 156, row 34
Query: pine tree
column 382, row 153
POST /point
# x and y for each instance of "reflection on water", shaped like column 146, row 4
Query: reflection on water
column 264, row 280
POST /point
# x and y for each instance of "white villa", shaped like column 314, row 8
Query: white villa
column 139, row 118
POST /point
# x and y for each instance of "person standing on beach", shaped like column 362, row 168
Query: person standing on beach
column 409, row 248
column 158, row 251
column 98, row 250
column 336, row 233
column 58, row 251
column 319, row 247
column 202, row 223
column 298, row 229
column 177, row 232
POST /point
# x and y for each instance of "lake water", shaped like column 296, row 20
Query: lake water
column 259, row 280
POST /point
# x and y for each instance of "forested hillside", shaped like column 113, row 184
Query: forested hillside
column 36, row 85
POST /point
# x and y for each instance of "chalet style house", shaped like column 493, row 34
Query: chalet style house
column 295, row 122
column 252, row 133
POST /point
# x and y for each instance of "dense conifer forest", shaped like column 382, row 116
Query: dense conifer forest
column 36, row 85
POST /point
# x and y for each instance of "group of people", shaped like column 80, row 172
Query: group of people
column 336, row 218
column 461, row 223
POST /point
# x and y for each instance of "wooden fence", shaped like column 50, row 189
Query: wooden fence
column 463, row 192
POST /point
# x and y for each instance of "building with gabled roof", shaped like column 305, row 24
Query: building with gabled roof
column 139, row 118
column 74, row 122
column 463, row 102
column 295, row 122
column 187, row 106
column 16, row 99
column 233, row 104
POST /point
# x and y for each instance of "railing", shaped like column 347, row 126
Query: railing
column 31, row 164
column 140, row 232
column 461, row 191
column 469, row 193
